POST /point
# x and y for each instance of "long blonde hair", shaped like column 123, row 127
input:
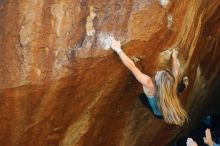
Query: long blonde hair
column 167, row 99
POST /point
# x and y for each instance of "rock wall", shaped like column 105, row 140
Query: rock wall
column 60, row 84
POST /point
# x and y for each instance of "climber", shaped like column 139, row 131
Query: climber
column 161, row 91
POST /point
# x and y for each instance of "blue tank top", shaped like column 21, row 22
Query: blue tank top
column 153, row 102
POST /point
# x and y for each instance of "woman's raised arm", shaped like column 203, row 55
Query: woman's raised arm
column 175, row 66
column 144, row 79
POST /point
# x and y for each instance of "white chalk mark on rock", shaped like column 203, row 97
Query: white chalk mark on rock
column 165, row 56
column 164, row 3
column 57, row 11
column 102, row 40
column 90, row 31
column 169, row 21
column 135, row 59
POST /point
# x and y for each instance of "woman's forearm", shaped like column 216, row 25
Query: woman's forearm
column 126, row 60
column 145, row 80
column 175, row 66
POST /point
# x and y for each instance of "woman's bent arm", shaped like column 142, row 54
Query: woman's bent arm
column 175, row 66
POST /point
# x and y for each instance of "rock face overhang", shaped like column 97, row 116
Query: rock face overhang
column 61, row 86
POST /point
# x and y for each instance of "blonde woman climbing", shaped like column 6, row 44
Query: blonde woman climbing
column 161, row 92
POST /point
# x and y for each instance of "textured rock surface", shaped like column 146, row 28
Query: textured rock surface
column 60, row 87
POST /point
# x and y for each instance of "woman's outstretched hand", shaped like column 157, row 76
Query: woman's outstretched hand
column 115, row 45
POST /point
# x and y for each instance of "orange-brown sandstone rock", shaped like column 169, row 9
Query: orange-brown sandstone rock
column 60, row 86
